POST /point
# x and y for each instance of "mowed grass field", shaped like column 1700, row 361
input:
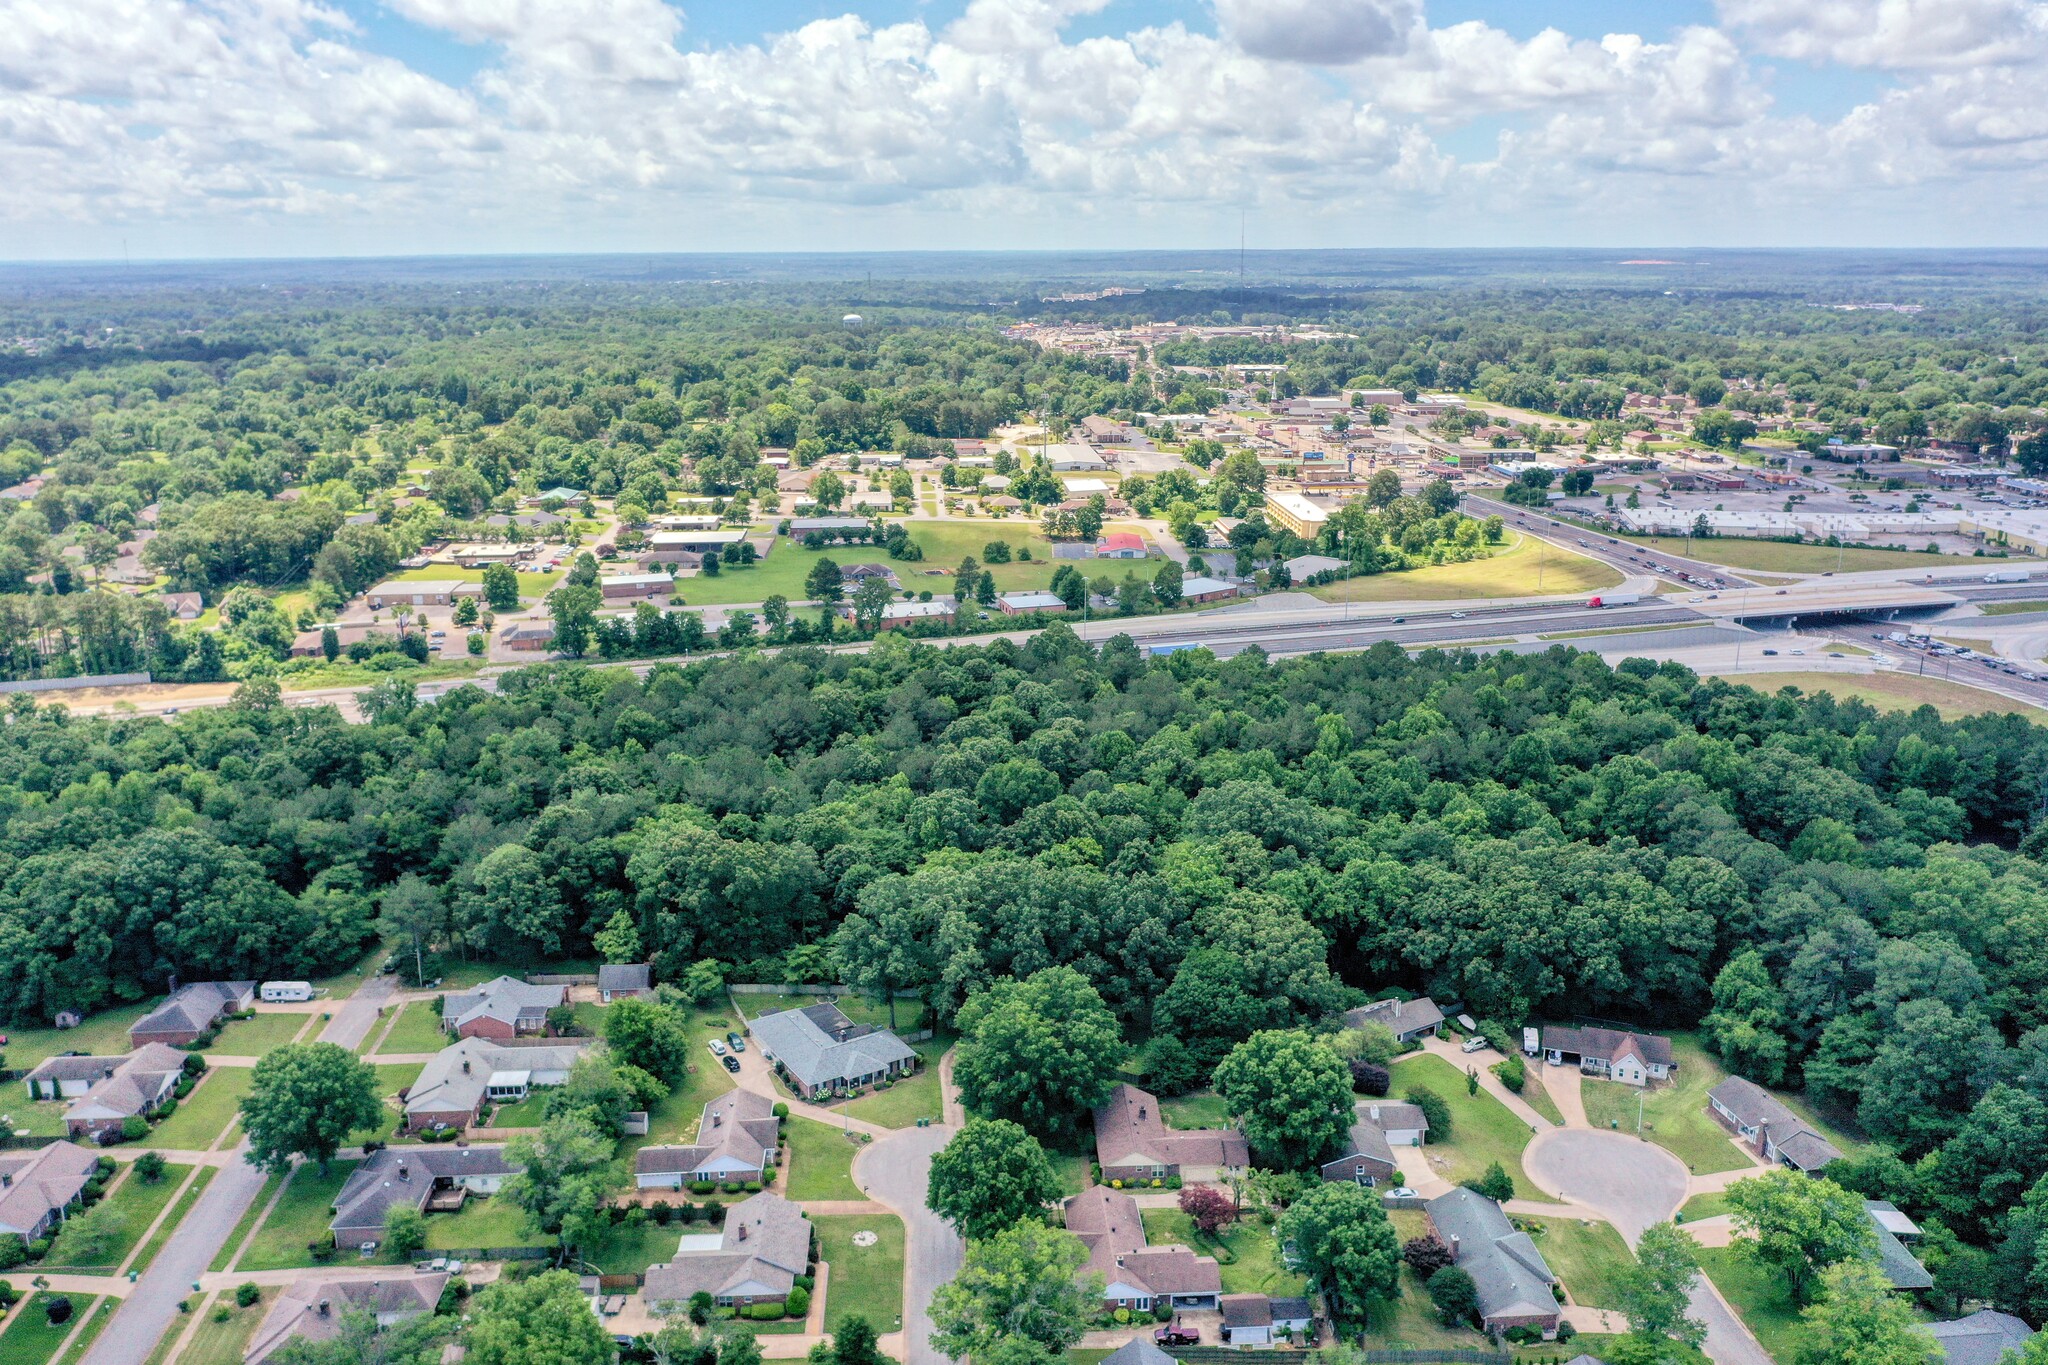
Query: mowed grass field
column 945, row 544
column 1675, row 1115
column 1894, row 692
column 1516, row 570
column 1483, row 1131
column 1786, row 557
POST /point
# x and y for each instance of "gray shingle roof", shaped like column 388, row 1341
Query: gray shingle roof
column 625, row 976
column 735, row 1131
column 296, row 1314
column 1901, row 1269
column 1138, row 1351
column 194, row 1007
column 820, row 1045
column 1511, row 1274
column 1982, row 1338
column 41, row 1182
column 1608, row 1043
column 1130, row 1132
column 1402, row 1016
column 129, row 1084
column 507, row 999
column 1755, row 1107
column 404, row 1175
column 445, row 1087
column 764, row 1246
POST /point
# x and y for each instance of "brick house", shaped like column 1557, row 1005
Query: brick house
column 190, row 1011
column 502, row 1008
column 1133, row 1143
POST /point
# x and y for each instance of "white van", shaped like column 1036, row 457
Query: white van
column 275, row 992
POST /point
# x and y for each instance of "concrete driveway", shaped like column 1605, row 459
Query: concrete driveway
column 896, row 1170
column 1635, row 1184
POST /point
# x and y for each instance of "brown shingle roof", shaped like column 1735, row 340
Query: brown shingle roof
column 1130, row 1132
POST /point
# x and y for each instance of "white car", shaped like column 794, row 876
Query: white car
column 1475, row 1044
column 717, row 1047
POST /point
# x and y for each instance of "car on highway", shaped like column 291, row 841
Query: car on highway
column 1400, row 620
column 1457, row 616
column 1771, row 652
column 1799, row 651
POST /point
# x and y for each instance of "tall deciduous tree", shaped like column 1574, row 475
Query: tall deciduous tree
column 304, row 1100
column 565, row 1177
column 1859, row 1320
column 1345, row 1245
column 1798, row 1225
column 650, row 1036
column 545, row 1320
column 991, row 1175
column 1041, row 1051
column 1290, row 1094
column 1025, row 1281
column 1655, row 1292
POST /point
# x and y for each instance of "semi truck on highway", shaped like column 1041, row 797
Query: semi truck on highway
column 2006, row 576
column 1615, row 599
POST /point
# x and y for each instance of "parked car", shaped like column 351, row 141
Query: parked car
column 738, row 1043
column 732, row 1063
column 1176, row 1335
column 717, row 1048
column 1475, row 1044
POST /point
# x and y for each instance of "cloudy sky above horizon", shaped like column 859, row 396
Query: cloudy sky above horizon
column 176, row 128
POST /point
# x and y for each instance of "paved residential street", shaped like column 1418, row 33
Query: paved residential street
column 895, row 1170
column 151, row 1307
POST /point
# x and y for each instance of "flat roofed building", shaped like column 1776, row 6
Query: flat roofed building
column 1303, row 516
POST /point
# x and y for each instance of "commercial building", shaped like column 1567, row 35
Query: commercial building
column 420, row 592
column 635, row 586
column 1303, row 516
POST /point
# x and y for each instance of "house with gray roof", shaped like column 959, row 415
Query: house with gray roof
column 105, row 1092
column 624, row 981
column 505, row 1007
column 1611, row 1054
column 1408, row 1019
column 314, row 1308
column 1514, row 1281
column 190, row 1011
column 1138, row 1351
column 1901, row 1268
column 454, row 1087
column 38, row 1188
column 412, row 1176
column 1983, row 1338
column 738, row 1136
column 1377, row 1128
column 1763, row 1122
column 819, row 1051
column 755, row 1258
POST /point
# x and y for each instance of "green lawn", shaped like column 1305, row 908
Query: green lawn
column 301, row 1217
column 96, row 1319
column 2010, row 608
column 483, row 1223
column 819, row 1162
column 139, row 1205
column 1759, row 1297
column 29, row 1338
column 1588, row 1257
column 1536, row 1096
column 206, row 1113
column 1203, row 1109
column 1705, row 1206
column 176, row 1216
column 1675, row 1114
column 1072, row 1169
column 254, row 1037
column 417, row 1029
column 629, row 1251
column 1893, row 692
column 945, row 544
column 392, row 1077
column 865, row 1281
column 226, row 1256
column 1524, row 568
column 1407, row 1319
column 38, row 1118
column 103, row 1035
column 1257, row 1268
column 904, row 1103
column 528, row 1113
column 223, row 1343
column 1786, row 557
column 1483, row 1131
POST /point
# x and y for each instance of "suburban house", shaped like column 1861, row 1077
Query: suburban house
column 1257, row 1321
column 438, row 1177
column 502, row 1008
column 1380, row 1127
column 1774, row 1131
column 1120, row 545
column 1631, row 1058
column 313, row 1309
column 1133, row 1143
column 1017, row 603
column 1982, row 1338
column 819, row 1051
column 1902, row 1269
column 1514, row 1282
column 1407, row 1019
column 764, row 1245
column 38, row 1187
column 737, row 1139
column 1138, row 1351
column 1134, row 1275
column 191, row 1011
column 624, row 981
column 457, row 1083
column 185, row 606
column 105, row 1092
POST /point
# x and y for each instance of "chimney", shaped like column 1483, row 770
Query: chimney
column 743, row 1232
column 1454, row 1247
column 1141, row 1111
column 6, row 1181
column 404, row 1171
column 323, row 1308
column 465, row 1066
column 717, row 1119
column 1375, row 1113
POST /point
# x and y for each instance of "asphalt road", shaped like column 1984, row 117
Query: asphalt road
column 1635, row 1184
column 1597, row 545
column 152, row 1309
column 896, row 1170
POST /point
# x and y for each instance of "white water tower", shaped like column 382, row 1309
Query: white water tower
column 853, row 322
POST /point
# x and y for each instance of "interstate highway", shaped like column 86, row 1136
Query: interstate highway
column 1226, row 637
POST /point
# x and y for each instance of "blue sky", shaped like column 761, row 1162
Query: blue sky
column 281, row 127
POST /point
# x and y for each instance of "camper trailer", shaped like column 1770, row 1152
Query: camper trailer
column 275, row 992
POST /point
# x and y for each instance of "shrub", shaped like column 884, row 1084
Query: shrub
column 1436, row 1109
column 700, row 1187
column 13, row 1251
column 58, row 1310
column 662, row 1212
column 636, row 1217
column 1122, row 1316
column 1565, row 1331
column 149, row 1167
column 39, row 1248
column 183, row 1087
column 1425, row 1255
column 247, row 1293
column 9, row 1295
column 1455, row 1296
column 752, row 1187
column 798, row 1304
column 766, row 1312
column 168, row 1108
column 714, row 1211
column 781, row 1110
column 223, row 1313
column 134, row 1127
column 1370, row 1078
column 734, row 1187
column 194, row 1065
column 1496, row 1184
column 806, row 1283
column 767, row 1178
column 1513, row 1074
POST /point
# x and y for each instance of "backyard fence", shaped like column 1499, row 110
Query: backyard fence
column 737, row 989
column 1404, row 1201
column 1440, row 1355
column 11, row 1142
column 564, row 979
column 496, row 1253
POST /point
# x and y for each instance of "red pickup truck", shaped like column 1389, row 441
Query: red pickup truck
column 1176, row 1335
